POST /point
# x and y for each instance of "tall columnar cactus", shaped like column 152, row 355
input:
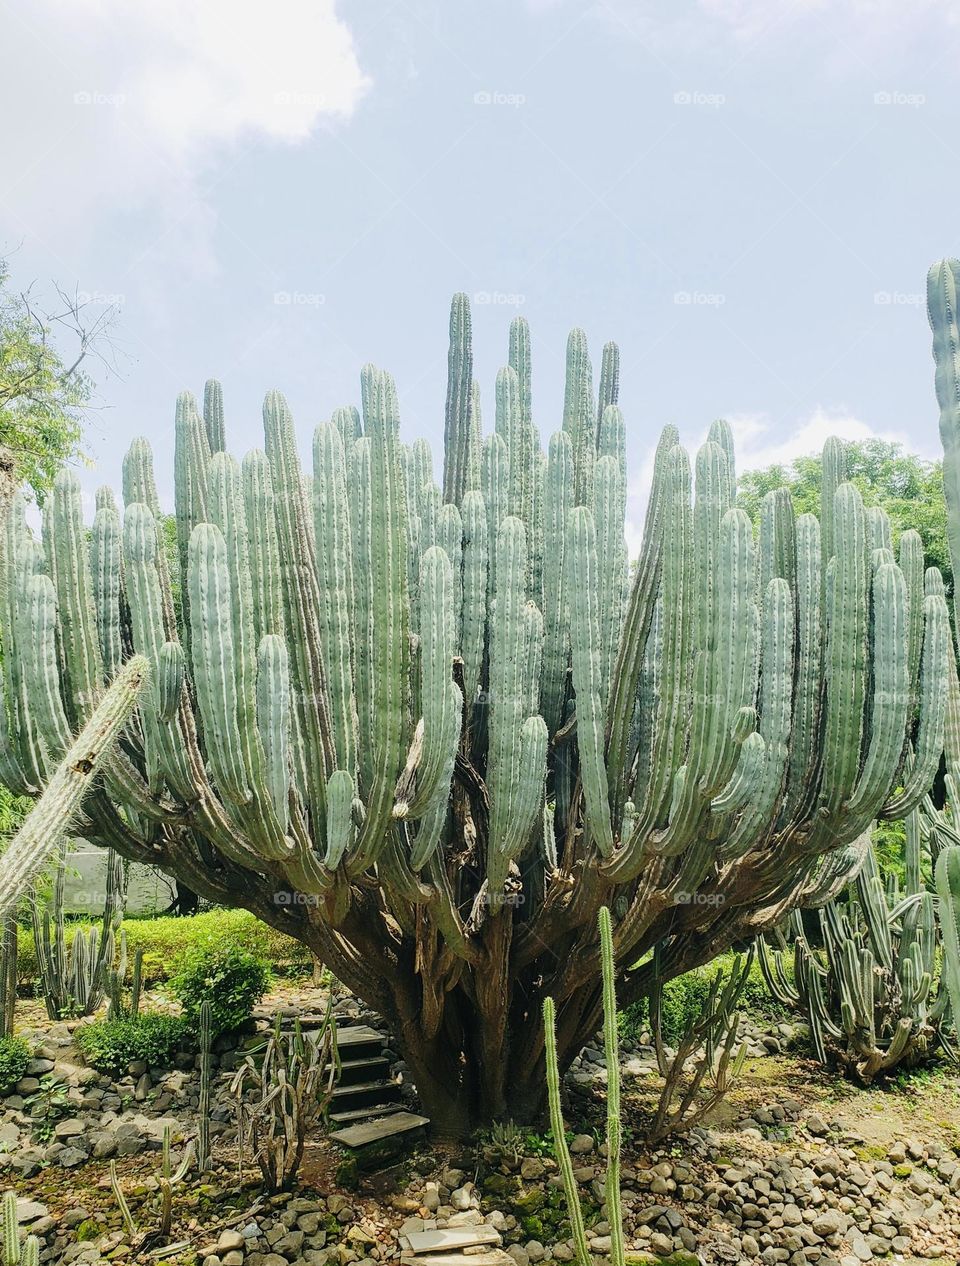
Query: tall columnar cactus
column 876, row 992
column 15, row 1251
column 430, row 729
column 74, row 977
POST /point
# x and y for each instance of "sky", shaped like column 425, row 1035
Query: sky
column 744, row 194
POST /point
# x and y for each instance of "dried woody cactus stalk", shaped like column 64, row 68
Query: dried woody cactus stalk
column 282, row 1093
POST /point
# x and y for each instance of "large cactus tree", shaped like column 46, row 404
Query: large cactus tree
column 429, row 729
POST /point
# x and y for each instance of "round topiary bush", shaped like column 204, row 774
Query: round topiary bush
column 229, row 977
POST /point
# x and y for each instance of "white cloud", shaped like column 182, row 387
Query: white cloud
column 760, row 443
column 122, row 106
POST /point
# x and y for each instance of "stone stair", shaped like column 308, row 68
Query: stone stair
column 454, row 1246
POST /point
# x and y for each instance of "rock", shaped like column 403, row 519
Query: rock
column 143, row 1087
column 519, row 1254
column 464, row 1198
column 38, row 1067
column 535, row 1251
column 861, row 1248
column 234, row 1258
column 830, row 1222
column 532, row 1168
column 70, row 1157
column 72, row 1127
column 582, row 1144
column 230, row 1240
column 750, row 1246
column 30, row 1210
column 816, row 1125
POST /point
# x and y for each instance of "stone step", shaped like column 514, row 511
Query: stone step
column 357, row 1137
column 496, row 1257
column 450, row 1239
column 356, row 1115
column 356, row 1041
column 370, row 1068
column 365, row 1093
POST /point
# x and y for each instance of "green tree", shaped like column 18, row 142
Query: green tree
column 907, row 487
column 45, row 390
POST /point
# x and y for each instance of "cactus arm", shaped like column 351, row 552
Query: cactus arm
column 335, row 572
column 580, row 415
column 301, row 603
column 891, row 692
column 267, row 591
column 947, row 880
column 389, row 623
column 457, row 428
column 942, row 283
column 585, row 638
column 933, row 706
column 668, row 741
column 213, row 416
column 273, row 722
column 473, row 623
column 846, row 652
column 557, row 496
column 105, row 553
column 70, row 566
column 636, row 630
column 50, row 816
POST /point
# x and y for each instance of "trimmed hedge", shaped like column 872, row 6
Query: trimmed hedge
column 110, row 1046
column 167, row 942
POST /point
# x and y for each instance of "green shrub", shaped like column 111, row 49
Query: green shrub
column 684, row 996
column 14, row 1053
column 110, row 1045
column 229, row 977
column 167, row 941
